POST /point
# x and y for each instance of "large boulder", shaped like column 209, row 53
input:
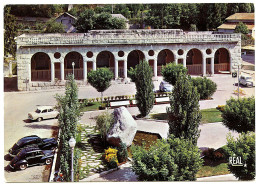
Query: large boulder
column 124, row 128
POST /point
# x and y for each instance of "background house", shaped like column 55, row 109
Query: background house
column 232, row 21
column 67, row 20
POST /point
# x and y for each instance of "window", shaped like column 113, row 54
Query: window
column 44, row 111
column 50, row 110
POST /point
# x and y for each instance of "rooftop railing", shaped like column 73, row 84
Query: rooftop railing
column 110, row 37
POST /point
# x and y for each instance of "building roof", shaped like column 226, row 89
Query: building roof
column 242, row 16
column 227, row 26
column 66, row 14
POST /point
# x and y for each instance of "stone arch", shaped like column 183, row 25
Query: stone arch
column 222, row 60
column 105, row 59
column 40, row 67
column 194, row 61
column 77, row 58
column 134, row 57
column 165, row 56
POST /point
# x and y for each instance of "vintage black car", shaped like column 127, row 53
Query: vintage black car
column 31, row 156
column 42, row 143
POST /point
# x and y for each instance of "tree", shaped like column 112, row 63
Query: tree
column 241, row 28
column 85, row 21
column 205, row 87
column 244, row 147
column 10, row 32
column 175, row 159
column 184, row 114
column 53, row 27
column 100, row 79
column 69, row 115
column 239, row 115
column 144, row 87
column 171, row 72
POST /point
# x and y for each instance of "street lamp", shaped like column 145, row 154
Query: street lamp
column 72, row 144
column 73, row 64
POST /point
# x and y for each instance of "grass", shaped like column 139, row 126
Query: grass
column 208, row 116
column 91, row 107
column 207, row 171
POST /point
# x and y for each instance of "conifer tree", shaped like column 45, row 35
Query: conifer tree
column 184, row 113
column 144, row 88
column 69, row 115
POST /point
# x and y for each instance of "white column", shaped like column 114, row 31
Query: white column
column 116, row 69
column 52, row 72
column 85, row 70
column 212, row 65
column 176, row 60
column 125, row 68
column 29, row 71
column 184, row 62
column 155, row 67
column 94, row 65
column 62, row 71
column 11, row 68
column 203, row 65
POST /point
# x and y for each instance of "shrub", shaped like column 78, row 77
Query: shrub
column 205, row 87
column 122, row 153
column 220, row 107
column 103, row 123
column 239, row 115
column 131, row 74
column 172, row 160
column 243, row 147
column 171, row 71
column 144, row 88
column 184, row 113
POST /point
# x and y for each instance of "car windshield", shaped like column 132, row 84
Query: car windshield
column 20, row 154
column 249, row 78
column 38, row 111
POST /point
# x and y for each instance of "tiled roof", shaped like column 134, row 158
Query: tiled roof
column 233, row 26
column 242, row 16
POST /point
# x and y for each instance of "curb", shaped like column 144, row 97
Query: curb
column 218, row 178
column 92, row 177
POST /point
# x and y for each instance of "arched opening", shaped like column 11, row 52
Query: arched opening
column 221, row 60
column 78, row 65
column 106, row 59
column 40, row 67
column 134, row 57
column 194, row 61
column 164, row 56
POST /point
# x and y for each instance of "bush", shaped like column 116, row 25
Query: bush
column 144, row 88
column 122, row 153
column 205, row 87
column 172, row 160
column 103, row 123
column 243, row 147
column 239, row 115
column 171, row 71
column 131, row 74
column 111, row 157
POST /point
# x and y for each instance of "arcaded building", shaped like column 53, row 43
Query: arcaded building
column 44, row 60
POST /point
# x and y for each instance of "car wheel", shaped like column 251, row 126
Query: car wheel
column 39, row 119
column 23, row 166
column 48, row 161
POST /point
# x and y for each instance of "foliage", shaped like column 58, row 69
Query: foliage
column 205, row 87
column 176, row 159
column 131, row 74
column 10, row 32
column 220, row 107
column 89, row 20
column 69, row 116
column 103, row 123
column 52, row 26
column 239, row 115
column 184, row 113
column 100, row 79
column 241, row 28
column 144, row 88
column 243, row 147
column 122, row 152
column 111, row 157
column 171, row 72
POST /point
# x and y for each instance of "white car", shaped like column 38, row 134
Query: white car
column 246, row 80
column 43, row 112
column 165, row 87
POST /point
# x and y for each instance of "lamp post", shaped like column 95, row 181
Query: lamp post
column 72, row 144
column 73, row 64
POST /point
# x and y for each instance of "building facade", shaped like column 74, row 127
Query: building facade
column 44, row 60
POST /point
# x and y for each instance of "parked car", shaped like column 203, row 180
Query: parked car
column 246, row 80
column 31, row 156
column 43, row 112
column 165, row 87
column 42, row 143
